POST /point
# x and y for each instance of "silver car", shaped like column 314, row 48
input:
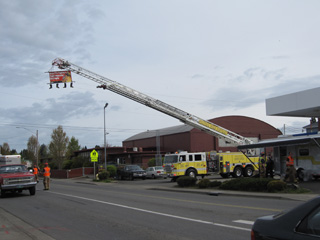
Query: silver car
column 154, row 172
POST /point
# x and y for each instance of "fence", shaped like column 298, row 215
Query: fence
column 72, row 173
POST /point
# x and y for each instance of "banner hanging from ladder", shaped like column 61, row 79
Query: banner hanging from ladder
column 60, row 77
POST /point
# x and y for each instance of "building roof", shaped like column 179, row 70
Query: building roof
column 283, row 141
column 161, row 132
column 300, row 104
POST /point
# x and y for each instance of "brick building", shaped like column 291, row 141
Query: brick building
column 184, row 137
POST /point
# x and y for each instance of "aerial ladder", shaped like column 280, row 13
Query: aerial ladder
column 187, row 118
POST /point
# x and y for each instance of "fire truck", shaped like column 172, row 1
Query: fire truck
column 185, row 117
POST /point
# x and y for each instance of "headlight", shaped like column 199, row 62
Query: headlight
column 5, row 181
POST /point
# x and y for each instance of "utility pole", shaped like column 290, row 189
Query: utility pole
column 104, row 133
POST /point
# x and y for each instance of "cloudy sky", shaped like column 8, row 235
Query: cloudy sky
column 211, row 58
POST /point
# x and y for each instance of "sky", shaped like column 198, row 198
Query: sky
column 211, row 58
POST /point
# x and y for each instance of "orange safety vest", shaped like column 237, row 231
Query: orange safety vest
column 35, row 171
column 46, row 172
column 290, row 161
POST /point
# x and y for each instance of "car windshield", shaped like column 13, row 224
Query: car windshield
column 159, row 168
column 134, row 167
column 13, row 169
column 170, row 159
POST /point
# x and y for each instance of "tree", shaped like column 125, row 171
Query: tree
column 33, row 149
column 58, row 146
column 73, row 145
column 5, row 149
column 43, row 151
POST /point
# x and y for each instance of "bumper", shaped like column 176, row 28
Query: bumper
column 18, row 186
column 139, row 175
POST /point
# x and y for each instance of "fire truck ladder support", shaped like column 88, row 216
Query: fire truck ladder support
column 158, row 105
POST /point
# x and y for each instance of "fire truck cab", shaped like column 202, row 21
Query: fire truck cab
column 185, row 164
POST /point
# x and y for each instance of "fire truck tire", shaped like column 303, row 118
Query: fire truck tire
column 32, row 191
column 248, row 171
column 237, row 172
column 191, row 173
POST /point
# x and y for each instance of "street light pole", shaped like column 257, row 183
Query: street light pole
column 104, row 135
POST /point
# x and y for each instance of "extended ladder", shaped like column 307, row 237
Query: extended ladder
column 156, row 104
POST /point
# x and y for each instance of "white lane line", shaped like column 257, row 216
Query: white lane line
column 152, row 212
column 244, row 222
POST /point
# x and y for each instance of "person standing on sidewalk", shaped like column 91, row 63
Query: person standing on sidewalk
column 46, row 176
column 290, row 171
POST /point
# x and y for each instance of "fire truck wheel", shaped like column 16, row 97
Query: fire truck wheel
column 237, row 172
column 191, row 173
column 248, row 171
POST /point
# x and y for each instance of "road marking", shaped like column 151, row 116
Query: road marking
column 244, row 222
column 153, row 212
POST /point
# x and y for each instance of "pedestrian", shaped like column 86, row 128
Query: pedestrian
column 290, row 170
column 262, row 165
column 36, row 172
column 46, row 176
column 270, row 166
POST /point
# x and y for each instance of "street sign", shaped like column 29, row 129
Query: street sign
column 94, row 156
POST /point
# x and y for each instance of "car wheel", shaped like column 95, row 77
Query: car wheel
column 3, row 193
column 237, row 172
column 248, row 171
column 300, row 174
column 32, row 191
column 131, row 177
column 191, row 173
column 153, row 176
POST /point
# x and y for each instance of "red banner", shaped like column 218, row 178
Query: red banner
column 60, row 77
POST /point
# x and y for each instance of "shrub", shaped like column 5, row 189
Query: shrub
column 186, row 181
column 276, row 186
column 112, row 170
column 247, row 184
column 103, row 175
column 215, row 183
column 204, row 183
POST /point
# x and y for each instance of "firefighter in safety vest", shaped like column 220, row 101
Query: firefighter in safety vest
column 36, row 172
column 262, row 165
column 290, row 171
column 46, row 176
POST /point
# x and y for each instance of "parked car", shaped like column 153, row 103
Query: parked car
column 302, row 222
column 130, row 172
column 154, row 172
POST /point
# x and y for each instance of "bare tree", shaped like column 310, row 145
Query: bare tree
column 58, row 146
column 33, row 149
column 5, row 149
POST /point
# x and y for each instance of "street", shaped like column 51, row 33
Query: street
column 129, row 210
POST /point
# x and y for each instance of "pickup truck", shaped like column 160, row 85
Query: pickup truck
column 130, row 172
column 15, row 178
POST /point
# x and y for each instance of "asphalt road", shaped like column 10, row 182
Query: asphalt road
column 127, row 210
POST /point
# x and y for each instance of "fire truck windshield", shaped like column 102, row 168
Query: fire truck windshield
column 170, row 159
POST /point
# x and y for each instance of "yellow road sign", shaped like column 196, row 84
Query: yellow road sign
column 94, row 156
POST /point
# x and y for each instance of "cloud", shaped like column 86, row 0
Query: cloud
column 255, row 85
column 62, row 110
column 35, row 32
